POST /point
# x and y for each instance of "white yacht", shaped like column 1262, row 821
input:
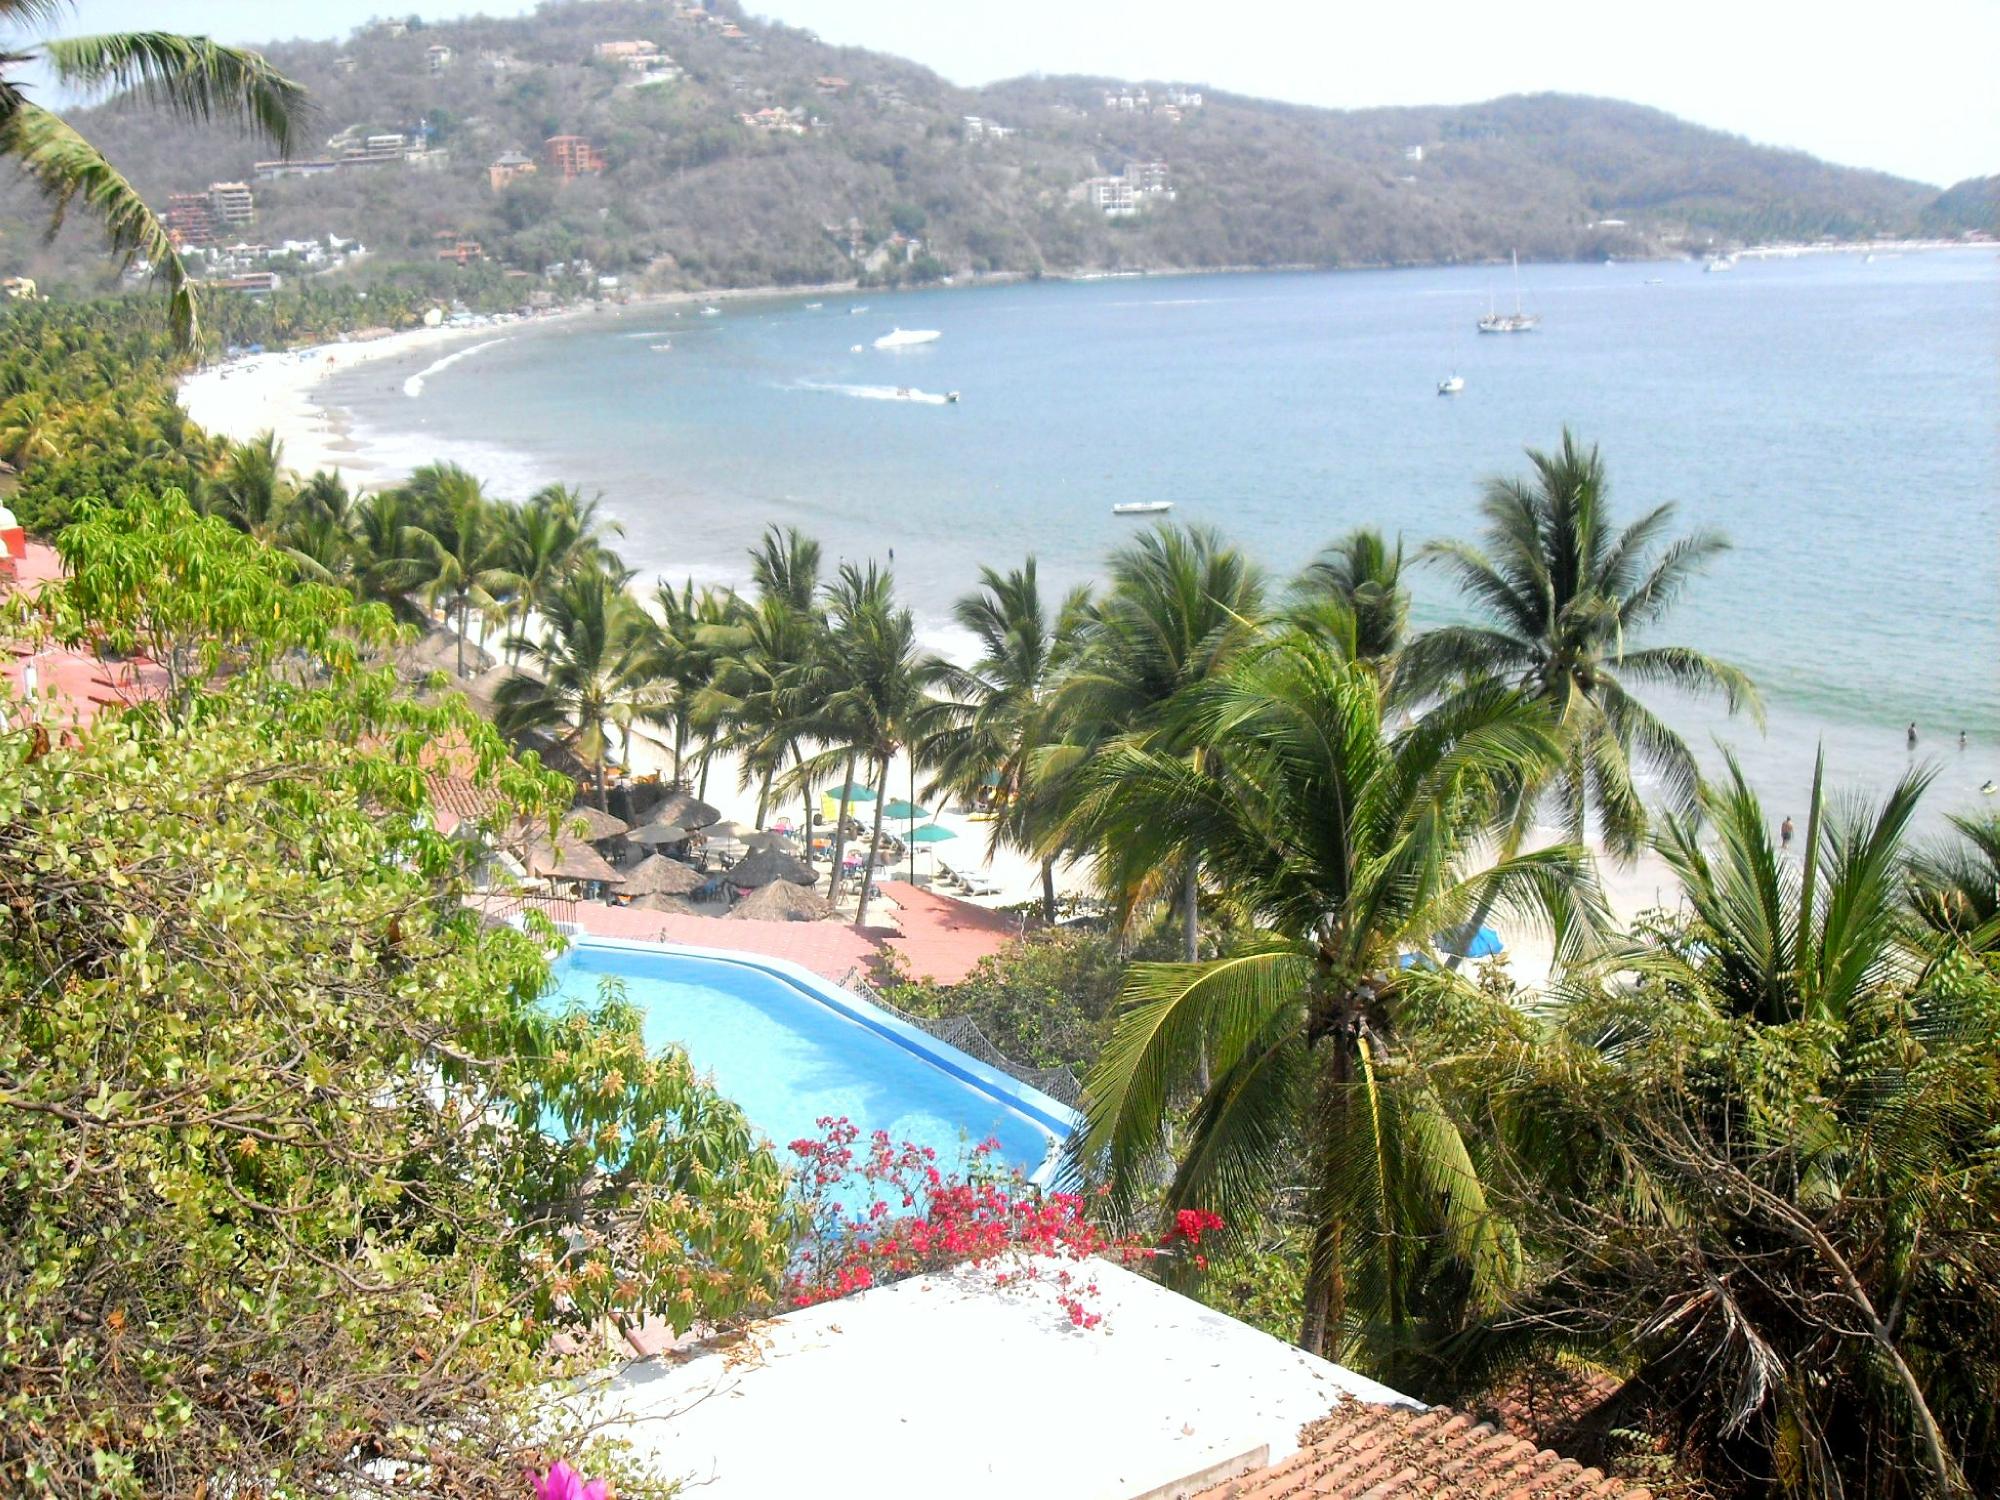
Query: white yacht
column 1142, row 508
column 1452, row 386
column 1516, row 321
column 906, row 338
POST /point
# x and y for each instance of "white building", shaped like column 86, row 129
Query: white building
column 438, row 57
column 1112, row 196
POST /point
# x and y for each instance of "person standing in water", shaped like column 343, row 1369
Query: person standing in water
column 1912, row 734
column 1785, row 833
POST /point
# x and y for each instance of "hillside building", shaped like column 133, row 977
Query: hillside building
column 457, row 248
column 1149, row 179
column 508, row 167
column 1111, row 196
column 189, row 220
column 437, row 57
column 571, row 157
column 231, row 203
column 628, row 53
column 271, row 171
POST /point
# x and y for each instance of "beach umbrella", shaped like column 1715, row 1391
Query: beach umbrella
column 656, row 875
column 597, row 826
column 729, row 833
column 782, row 901
column 904, row 810
column 686, row 810
column 767, row 866
column 931, row 833
column 661, row 833
column 1466, row 943
column 829, row 802
column 672, row 906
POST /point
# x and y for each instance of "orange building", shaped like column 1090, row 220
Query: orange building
column 571, row 157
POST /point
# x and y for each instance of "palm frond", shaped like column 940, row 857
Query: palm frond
column 190, row 77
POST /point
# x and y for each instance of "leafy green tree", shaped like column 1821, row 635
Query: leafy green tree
column 1566, row 594
column 192, row 78
column 251, row 490
column 592, row 671
column 1344, row 847
column 1752, row 1155
column 999, row 718
column 302, row 1177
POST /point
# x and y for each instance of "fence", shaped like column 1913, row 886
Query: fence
column 1058, row 1083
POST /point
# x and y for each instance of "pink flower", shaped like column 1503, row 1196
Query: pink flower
column 564, row 1483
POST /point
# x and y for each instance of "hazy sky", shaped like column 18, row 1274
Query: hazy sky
column 1907, row 87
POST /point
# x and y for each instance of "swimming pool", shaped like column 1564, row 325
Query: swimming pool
column 789, row 1047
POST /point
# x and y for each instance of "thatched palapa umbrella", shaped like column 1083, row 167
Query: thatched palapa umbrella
column 569, row 860
column 685, row 809
column 597, row 826
column 672, row 906
column 767, row 866
column 656, row 875
column 781, row 901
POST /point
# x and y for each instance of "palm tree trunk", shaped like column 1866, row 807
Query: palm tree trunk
column 707, row 755
column 464, row 623
column 840, row 830
column 603, row 797
column 1191, row 915
column 874, row 842
column 1049, row 892
column 764, row 794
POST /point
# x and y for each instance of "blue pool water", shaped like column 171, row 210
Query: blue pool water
column 790, row 1050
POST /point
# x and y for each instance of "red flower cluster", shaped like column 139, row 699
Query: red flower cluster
column 921, row 1218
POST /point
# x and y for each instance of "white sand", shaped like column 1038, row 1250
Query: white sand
column 244, row 398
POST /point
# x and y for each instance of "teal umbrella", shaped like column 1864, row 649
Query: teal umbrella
column 901, row 809
column 855, row 792
column 931, row 833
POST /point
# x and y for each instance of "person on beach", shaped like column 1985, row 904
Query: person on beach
column 1961, row 739
column 1785, row 833
column 1912, row 734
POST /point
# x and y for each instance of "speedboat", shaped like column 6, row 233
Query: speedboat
column 814, row 306
column 1452, row 386
column 951, row 398
column 904, row 338
column 711, row 312
column 852, row 311
column 1142, row 508
column 659, row 348
column 1721, row 263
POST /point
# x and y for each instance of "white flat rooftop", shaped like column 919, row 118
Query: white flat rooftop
column 949, row 1384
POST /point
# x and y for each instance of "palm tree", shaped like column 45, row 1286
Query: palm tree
column 251, row 490
column 685, row 655
column 548, row 537
column 1001, row 719
column 1761, row 1176
column 1564, row 591
column 594, row 670
column 1361, row 577
column 1955, row 885
column 388, row 565
column 457, row 544
column 29, row 430
column 189, row 77
column 1180, row 605
column 759, row 678
column 1344, row 847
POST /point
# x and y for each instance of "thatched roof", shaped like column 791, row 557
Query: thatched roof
column 782, row 901
column 569, row 860
column 768, row 865
column 656, row 875
column 597, row 826
column 672, row 906
column 685, row 809
column 661, row 833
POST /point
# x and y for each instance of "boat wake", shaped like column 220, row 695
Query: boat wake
column 414, row 386
column 657, row 333
column 878, row 393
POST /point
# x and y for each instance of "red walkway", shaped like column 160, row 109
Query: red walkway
column 943, row 938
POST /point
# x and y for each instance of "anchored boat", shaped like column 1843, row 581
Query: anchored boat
column 1142, row 508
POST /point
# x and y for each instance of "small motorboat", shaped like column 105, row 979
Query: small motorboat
column 814, row 306
column 711, row 312
column 856, row 349
column 907, row 338
column 659, row 348
column 1452, row 386
column 855, row 311
column 951, row 398
column 1142, row 508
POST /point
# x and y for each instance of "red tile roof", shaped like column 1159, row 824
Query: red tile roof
column 943, row 937
column 1366, row 1452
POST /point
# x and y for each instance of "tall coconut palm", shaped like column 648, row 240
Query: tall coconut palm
column 251, row 489
column 192, row 78
column 1955, row 884
column 593, row 670
column 388, row 565
column 1180, row 604
column 1361, row 575
column 1000, row 719
column 457, row 544
column 685, row 655
column 29, row 430
column 1567, row 597
column 549, row 536
column 1344, row 847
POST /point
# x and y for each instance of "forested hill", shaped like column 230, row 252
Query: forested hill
column 872, row 148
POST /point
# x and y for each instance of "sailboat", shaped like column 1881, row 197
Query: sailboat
column 1515, row 321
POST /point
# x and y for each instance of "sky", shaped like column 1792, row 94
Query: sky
column 1906, row 88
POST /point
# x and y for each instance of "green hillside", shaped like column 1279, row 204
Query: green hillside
column 881, row 152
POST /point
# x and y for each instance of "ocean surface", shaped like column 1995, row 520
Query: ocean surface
column 1835, row 417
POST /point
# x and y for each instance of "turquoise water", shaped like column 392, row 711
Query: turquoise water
column 1835, row 417
column 786, row 1059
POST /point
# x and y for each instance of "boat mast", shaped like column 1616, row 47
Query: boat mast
column 1517, row 283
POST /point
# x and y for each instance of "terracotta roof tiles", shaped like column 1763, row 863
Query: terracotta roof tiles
column 1365, row 1452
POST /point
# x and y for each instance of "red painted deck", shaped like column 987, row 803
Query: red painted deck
column 943, row 938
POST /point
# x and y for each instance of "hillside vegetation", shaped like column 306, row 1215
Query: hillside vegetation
column 693, row 196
